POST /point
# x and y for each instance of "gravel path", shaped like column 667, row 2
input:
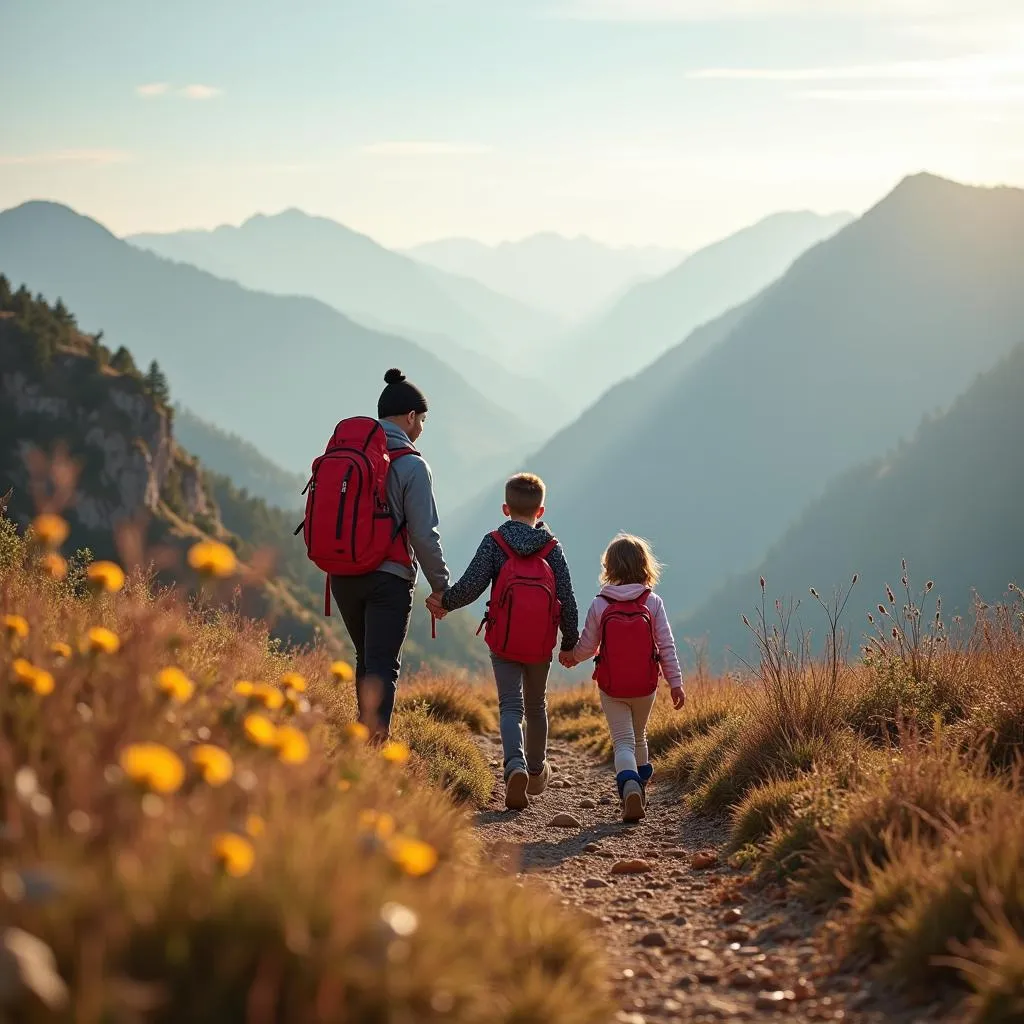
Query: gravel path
column 684, row 943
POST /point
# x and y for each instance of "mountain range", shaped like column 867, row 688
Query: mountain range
column 279, row 371
column 714, row 457
column 947, row 503
column 654, row 315
column 568, row 278
column 469, row 326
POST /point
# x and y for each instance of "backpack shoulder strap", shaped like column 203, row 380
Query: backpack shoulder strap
column 502, row 543
column 397, row 453
column 548, row 548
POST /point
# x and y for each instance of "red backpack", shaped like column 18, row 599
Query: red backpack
column 627, row 661
column 349, row 528
column 523, row 612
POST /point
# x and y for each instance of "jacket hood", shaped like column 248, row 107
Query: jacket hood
column 523, row 539
column 623, row 591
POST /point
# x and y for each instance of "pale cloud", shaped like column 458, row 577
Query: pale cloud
column 977, row 67
column 151, row 89
column 981, row 94
column 414, row 148
column 93, row 157
column 720, row 10
column 200, row 92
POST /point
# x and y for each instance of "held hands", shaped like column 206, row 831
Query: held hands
column 678, row 697
column 567, row 659
column 434, row 605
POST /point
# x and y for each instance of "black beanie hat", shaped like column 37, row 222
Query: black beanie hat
column 399, row 397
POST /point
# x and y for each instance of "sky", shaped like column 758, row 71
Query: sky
column 668, row 122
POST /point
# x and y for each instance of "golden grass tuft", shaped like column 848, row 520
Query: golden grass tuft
column 450, row 700
column 311, row 877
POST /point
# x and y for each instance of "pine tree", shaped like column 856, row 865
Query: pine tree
column 61, row 312
column 156, row 384
column 5, row 293
column 122, row 361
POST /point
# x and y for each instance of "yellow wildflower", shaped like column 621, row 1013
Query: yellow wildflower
column 100, row 640
column 105, row 576
column 343, row 672
column 51, row 529
column 395, row 752
column 215, row 764
column 16, row 626
column 260, row 730
column 377, row 823
column 211, row 558
column 413, row 856
column 154, row 766
column 293, row 681
column 356, row 731
column 243, row 688
column 28, row 675
column 255, row 825
column 269, row 696
column 53, row 565
column 175, row 684
column 235, row 853
column 59, row 649
column 292, row 745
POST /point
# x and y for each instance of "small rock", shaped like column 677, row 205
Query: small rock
column 802, row 990
column 564, row 820
column 587, row 804
column 678, row 852
column 687, row 981
column 629, row 1018
column 558, row 784
column 591, row 848
column 494, row 764
column 595, row 883
column 743, row 979
column 644, row 973
column 606, row 853
column 738, row 934
column 776, row 1000
column 671, row 1006
column 630, row 867
column 702, row 956
column 749, row 951
column 703, row 860
column 605, row 800
column 654, row 940
column 708, row 977
column 643, row 894
column 669, row 915
column 732, row 916
column 715, row 1006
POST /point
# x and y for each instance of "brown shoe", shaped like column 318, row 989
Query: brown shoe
column 539, row 782
column 515, row 790
column 633, row 802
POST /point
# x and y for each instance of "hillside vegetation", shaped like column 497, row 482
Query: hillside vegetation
column 194, row 829
column 947, row 502
column 884, row 793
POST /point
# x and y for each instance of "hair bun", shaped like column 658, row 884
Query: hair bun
column 394, row 376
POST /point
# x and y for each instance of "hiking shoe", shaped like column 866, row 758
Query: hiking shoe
column 632, row 801
column 539, row 782
column 515, row 790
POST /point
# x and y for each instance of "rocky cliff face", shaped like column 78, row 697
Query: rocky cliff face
column 118, row 436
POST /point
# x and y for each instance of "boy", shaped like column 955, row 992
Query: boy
column 521, row 686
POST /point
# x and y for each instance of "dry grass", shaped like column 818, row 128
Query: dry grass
column 358, row 892
column 887, row 790
column 450, row 700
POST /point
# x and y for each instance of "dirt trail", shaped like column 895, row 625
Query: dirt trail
column 683, row 944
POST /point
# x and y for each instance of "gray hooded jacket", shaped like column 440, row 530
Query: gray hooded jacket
column 411, row 496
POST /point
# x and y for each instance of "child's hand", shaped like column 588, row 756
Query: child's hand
column 678, row 697
column 567, row 659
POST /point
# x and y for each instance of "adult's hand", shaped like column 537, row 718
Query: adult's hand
column 567, row 659
column 434, row 605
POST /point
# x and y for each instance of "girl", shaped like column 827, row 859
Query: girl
column 627, row 629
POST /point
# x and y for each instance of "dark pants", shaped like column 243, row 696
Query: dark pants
column 376, row 609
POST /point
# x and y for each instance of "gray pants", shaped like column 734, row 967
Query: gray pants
column 522, row 693
column 627, row 722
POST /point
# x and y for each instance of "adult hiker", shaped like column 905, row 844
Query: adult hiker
column 371, row 522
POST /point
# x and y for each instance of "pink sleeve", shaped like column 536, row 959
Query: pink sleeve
column 587, row 647
column 666, row 646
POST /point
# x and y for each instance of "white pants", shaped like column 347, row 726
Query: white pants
column 627, row 721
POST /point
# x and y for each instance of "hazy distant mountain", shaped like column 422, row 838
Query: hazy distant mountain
column 570, row 278
column 277, row 371
column 293, row 253
column 657, row 314
column 949, row 502
column 827, row 368
column 232, row 456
